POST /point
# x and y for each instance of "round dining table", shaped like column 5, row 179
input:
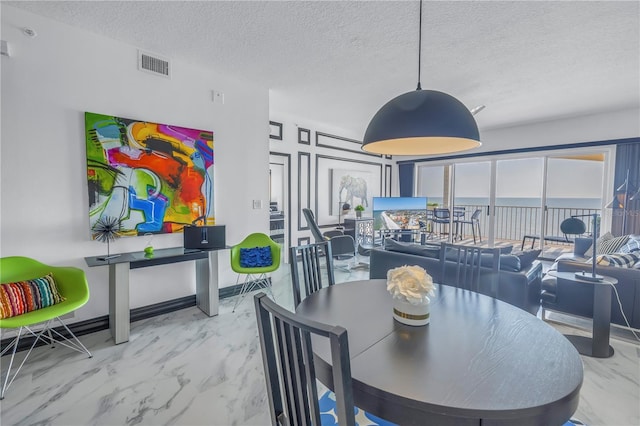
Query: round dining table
column 479, row 361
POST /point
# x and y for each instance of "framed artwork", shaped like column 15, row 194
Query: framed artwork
column 340, row 180
column 326, row 140
column 275, row 130
column 351, row 187
column 151, row 177
column 304, row 136
column 304, row 187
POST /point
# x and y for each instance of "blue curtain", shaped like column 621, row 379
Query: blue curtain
column 405, row 173
column 627, row 220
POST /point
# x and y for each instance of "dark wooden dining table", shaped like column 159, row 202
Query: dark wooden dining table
column 479, row 361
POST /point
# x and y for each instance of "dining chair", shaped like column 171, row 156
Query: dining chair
column 471, row 268
column 474, row 221
column 289, row 370
column 310, row 258
column 254, row 257
column 35, row 293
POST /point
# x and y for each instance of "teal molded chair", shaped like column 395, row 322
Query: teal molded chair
column 72, row 285
column 254, row 276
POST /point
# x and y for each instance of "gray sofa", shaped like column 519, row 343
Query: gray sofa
column 521, row 288
column 578, row 300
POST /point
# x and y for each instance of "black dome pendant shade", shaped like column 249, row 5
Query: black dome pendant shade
column 421, row 122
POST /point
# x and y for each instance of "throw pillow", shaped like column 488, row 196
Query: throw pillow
column 20, row 297
column 607, row 244
column 508, row 262
column 256, row 257
column 613, row 245
column 431, row 251
column 618, row 259
column 599, row 241
column 631, row 246
column 527, row 257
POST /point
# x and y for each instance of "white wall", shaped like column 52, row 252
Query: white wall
column 586, row 128
column 47, row 85
column 289, row 145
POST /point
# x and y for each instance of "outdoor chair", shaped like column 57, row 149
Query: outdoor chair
column 571, row 226
column 441, row 216
column 474, row 221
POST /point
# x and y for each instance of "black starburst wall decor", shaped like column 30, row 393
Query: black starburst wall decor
column 107, row 229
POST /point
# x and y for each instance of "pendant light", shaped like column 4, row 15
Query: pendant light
column 421, row 122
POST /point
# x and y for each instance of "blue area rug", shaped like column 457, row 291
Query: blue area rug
column 329, row 417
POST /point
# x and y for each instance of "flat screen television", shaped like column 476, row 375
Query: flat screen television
column 397, row 213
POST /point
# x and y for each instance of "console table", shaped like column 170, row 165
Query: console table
column 206, row 264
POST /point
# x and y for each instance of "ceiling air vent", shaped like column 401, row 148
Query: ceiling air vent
column 154, row 64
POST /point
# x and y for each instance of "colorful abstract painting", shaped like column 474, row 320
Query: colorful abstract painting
column 155, row 178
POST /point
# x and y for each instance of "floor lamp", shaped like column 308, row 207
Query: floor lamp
column 621, row 200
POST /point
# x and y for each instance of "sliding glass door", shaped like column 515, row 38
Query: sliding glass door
column 472, row 196
column 518, row 203
column 573, row 189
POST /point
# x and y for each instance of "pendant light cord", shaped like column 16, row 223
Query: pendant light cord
column 419, row 46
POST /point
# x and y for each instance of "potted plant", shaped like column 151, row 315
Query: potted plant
column 359, row 209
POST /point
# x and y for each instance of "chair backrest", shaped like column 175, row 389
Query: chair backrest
column 573, row 226
column 70, row 281
column 310, row 257
column 287, row 354
column 441, row 213
column 311, row 221
column 256, row 239
column 467, row 266
column 476, row 215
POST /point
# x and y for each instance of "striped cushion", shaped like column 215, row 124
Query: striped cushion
column 608, row 244
column 618, row 259
column 632, row 245
column 25, row 296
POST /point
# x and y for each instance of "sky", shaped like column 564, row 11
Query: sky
column 399, row 203
column 518, row 178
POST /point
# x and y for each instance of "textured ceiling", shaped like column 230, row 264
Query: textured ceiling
column 338, row 62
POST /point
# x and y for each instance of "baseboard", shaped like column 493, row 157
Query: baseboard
column 93, row 325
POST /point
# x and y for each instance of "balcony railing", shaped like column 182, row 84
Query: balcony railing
column 514, row 222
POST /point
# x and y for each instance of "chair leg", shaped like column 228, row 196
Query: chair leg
column 479, row 234
column 15, row 342
column 250, row 283
column 53, row 342
column 77, row 346
column 473, row 231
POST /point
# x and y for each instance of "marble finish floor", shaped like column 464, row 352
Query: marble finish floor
column 185, row 368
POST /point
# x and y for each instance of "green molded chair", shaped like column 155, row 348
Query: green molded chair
column 72, row 285
column 254, row 276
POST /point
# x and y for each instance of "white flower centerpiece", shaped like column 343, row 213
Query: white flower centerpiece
column 410, row 287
